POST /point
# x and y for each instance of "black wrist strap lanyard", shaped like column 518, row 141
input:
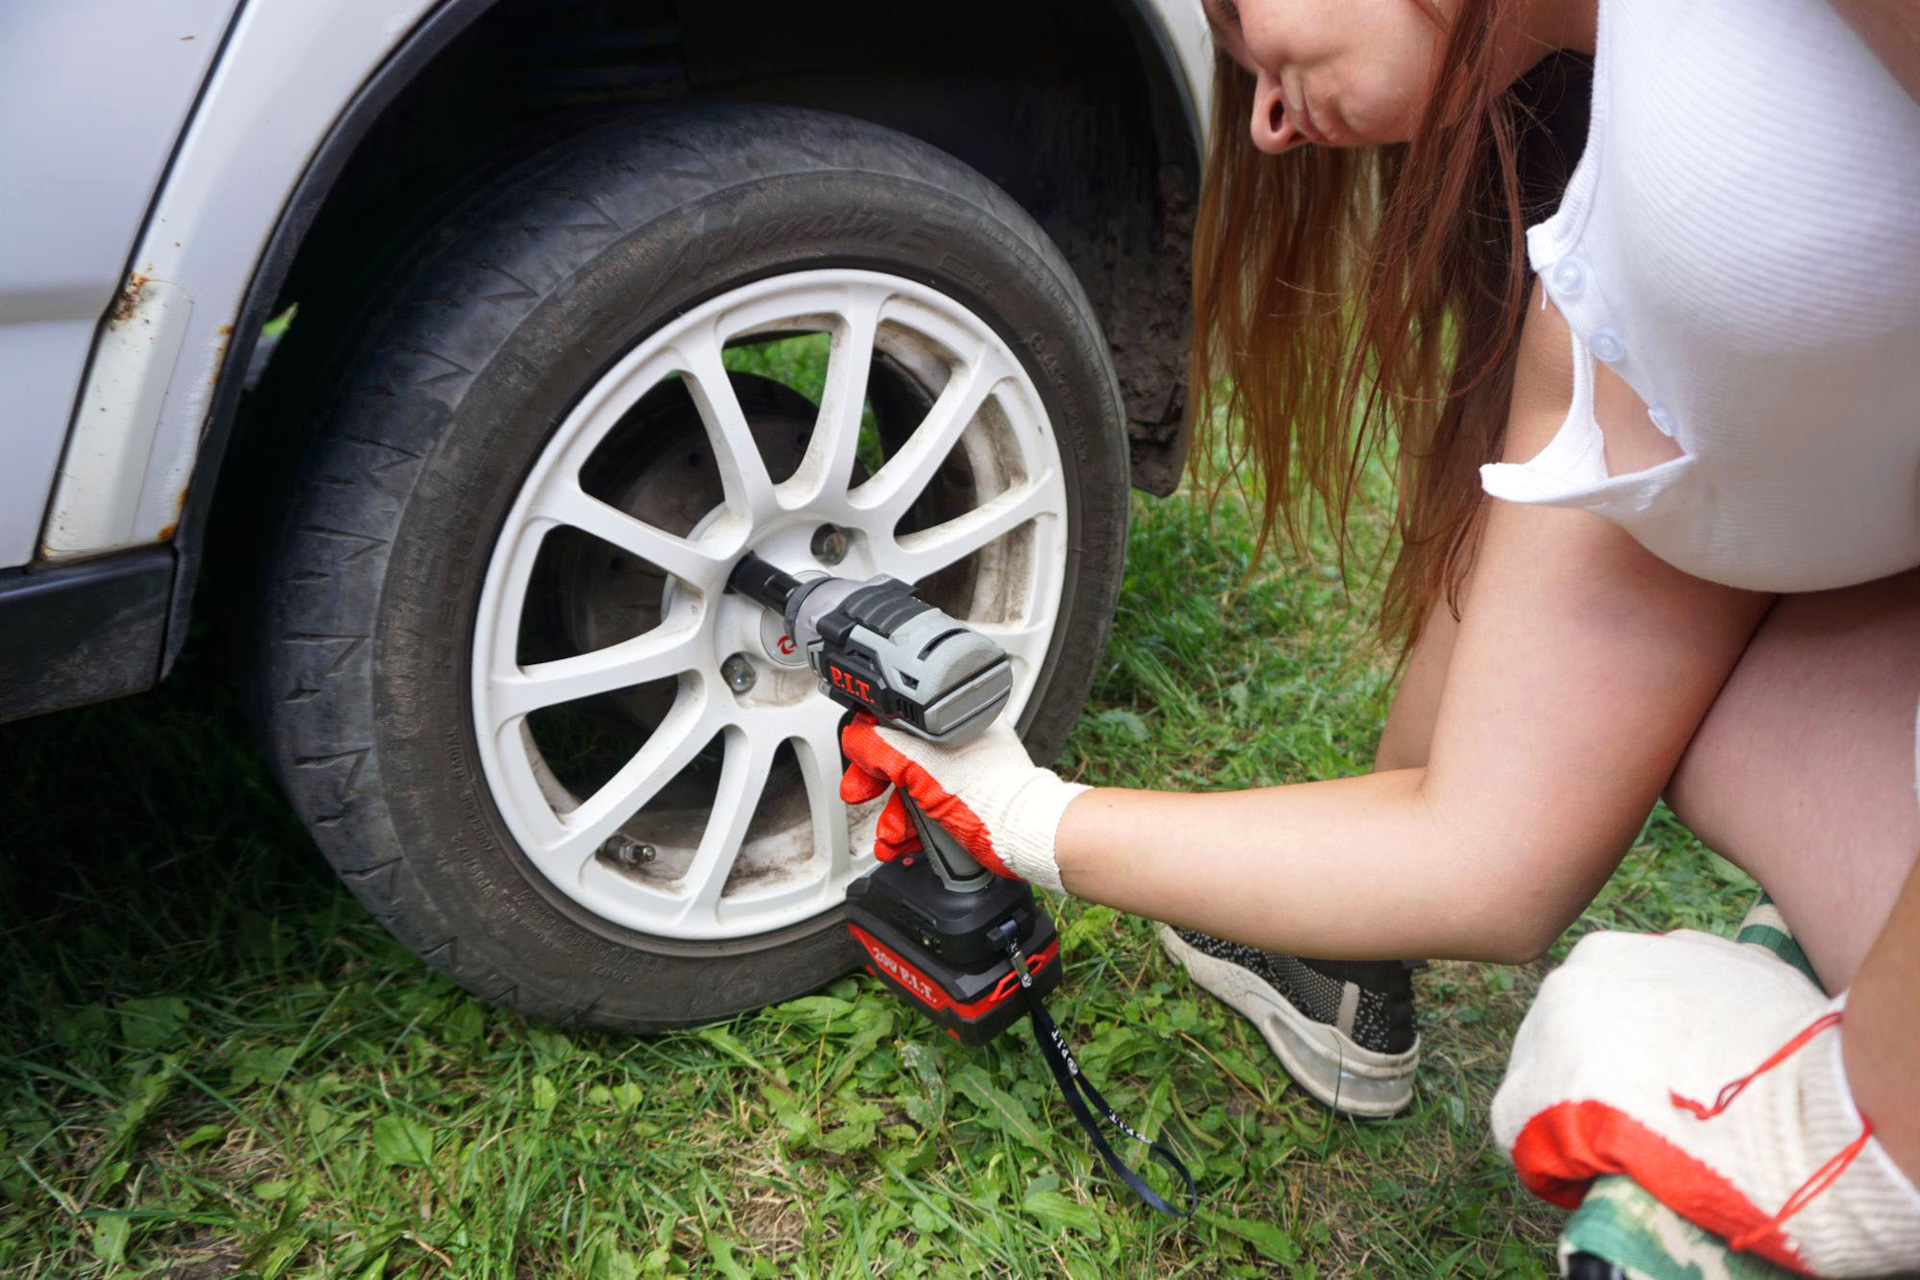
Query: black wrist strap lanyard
column 1079, row 1091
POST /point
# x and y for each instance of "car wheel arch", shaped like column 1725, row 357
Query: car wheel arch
column 1155, row 227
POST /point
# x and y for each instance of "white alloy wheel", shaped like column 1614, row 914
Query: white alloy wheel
column 752, row 861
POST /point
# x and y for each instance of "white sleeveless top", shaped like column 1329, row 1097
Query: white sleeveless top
column 1741, row 243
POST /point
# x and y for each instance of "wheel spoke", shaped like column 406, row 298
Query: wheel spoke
column 1025, row 642
column 743, row 780
column 906, row 474
column 520, row 779
column 652, row 655
column 743, row 471
column 694, row 563
column 920, row 555
column 818, row 752
column 827, row 467
column 688, row 726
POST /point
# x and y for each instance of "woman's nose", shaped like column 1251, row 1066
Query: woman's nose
column 1273, row 131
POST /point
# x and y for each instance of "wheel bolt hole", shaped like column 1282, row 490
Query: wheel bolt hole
column 830, row 543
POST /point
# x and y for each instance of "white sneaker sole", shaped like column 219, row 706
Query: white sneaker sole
column 1327, row 1064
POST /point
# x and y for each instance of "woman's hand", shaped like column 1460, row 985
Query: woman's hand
column 989, row 794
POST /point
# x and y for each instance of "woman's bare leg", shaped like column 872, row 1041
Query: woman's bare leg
column 1803, row 771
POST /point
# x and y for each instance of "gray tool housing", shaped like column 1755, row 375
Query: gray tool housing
column 950, row 680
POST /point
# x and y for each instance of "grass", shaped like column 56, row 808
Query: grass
column 213, row 1061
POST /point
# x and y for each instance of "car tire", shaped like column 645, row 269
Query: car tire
column 458, row 389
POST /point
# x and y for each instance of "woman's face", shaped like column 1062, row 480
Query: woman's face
column 1338, row 73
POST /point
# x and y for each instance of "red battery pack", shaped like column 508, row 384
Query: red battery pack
column 928, row 944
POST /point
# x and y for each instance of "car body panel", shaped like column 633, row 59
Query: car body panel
column 1181, row 28
column 286, row 72
column 95, row 94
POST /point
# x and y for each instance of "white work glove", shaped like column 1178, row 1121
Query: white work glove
column 1710, row 1074
column 989, row 794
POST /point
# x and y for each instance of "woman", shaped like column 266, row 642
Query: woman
column 1697, row 581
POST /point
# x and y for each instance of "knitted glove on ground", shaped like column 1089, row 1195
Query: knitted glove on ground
column 992, row 797
column 1710, row 1074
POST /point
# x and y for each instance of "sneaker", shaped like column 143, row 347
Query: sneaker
column 1344, row 1030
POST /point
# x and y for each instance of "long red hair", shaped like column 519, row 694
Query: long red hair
column 1342, row 297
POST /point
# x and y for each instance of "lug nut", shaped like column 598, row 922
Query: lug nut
column 830, row 543
column 628, row 853
column 738, row 671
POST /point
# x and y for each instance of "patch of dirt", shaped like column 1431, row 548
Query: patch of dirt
column 202, row 1260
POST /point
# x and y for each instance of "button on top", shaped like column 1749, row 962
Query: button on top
column 1569, row 277
column 1608, row 345
column 1662, row 419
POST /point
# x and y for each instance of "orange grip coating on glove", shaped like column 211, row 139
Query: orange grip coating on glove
column 874, row 764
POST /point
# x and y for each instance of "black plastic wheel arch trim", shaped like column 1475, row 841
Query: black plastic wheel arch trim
column 79, row 633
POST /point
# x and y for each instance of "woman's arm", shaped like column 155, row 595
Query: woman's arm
column 1581, row 668
column 1891, row 29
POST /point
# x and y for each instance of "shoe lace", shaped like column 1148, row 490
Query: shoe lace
column 1820, row 1179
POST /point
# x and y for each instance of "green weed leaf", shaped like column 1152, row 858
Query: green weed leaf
column 204, row 1134
column 154, row 1023
column 999, row 1109
column 1267, row 1238
column 1242, row 1070
column 253, row 1066
column 856, row 1131
column 110, row 1240
column 1056, row 1210
column 872, row 1023
column 724, row 1040
column 81, row 1026
column 549, row 1047
column 1092, row 921
column 403, row 1141
column 815, row 1011
column 721, row 1251
column 928, row 1107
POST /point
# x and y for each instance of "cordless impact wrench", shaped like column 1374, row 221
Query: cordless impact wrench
column 934, row 926
column 959, row 942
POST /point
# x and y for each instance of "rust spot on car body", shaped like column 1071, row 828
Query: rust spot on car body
column 123, row 306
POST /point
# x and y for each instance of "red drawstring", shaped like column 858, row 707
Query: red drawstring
column 1780, row 1055
column 1823, row 1177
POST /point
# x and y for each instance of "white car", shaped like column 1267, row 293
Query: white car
column 578, row 301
